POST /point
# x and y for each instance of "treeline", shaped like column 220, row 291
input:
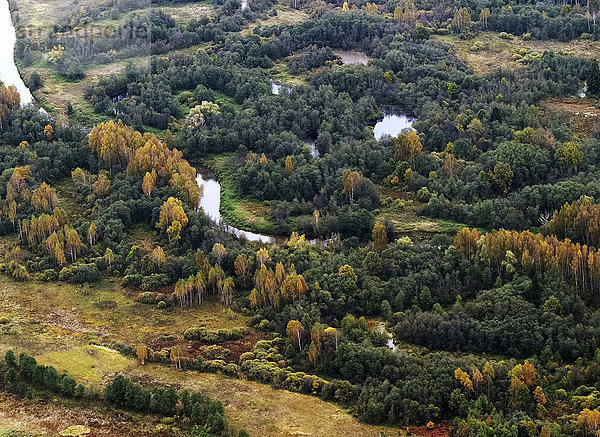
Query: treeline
column 192, row 408
column 195, row 407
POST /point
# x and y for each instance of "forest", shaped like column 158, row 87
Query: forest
column 441, row 279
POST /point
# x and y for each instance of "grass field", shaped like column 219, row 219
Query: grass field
column 55, row 317
column 401, row 209
column 285, row 15
column 263, row 411
column 47, row 417
column 56, row 322
column 487, row 51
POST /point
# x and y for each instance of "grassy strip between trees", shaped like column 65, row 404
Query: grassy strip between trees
column 204, row 416
column 238, row 212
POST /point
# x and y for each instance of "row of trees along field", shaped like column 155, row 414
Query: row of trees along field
column 194, row 411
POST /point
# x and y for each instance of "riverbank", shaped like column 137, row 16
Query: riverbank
column 9, row 74
column 235, row 210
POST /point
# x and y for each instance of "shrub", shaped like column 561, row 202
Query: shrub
column 147, row 298
column 49, row 275
column 200, row 333
column 155, row 281
column 423, row 195
column 85, row 273
column 214, row 352
column 131, row 281
column 65, row 274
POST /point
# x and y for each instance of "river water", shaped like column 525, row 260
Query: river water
column 211, row 204
column 9, row 74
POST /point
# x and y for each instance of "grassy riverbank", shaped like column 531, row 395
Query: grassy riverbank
column 239, row 212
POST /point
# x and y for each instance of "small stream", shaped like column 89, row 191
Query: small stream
column 211, row 204
column 9, row 75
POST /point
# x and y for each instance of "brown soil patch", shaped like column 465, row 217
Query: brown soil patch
column 584, row 114
column 440, row 430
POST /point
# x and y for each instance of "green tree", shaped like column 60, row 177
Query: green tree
column 569, row 155
column 502, row 176
column 593, row 78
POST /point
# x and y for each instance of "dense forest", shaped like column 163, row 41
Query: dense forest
column 486, row 325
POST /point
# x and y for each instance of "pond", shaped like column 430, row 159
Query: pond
column 390, row 344
column 353, row 57
column 314, row 152
column 211, row 204
column 278, row 88
column 392, row 125
column 9, row 74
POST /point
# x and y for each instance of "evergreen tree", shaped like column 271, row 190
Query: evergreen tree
column 593, row 79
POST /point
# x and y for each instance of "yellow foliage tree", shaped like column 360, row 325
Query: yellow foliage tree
column 379, row 236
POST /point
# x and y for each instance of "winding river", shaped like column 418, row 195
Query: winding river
column 211, row 204
column 391, row 124
column 9, row 75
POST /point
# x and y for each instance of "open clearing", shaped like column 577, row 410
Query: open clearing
column 263, row 411
column 285, row 15
column 487, row 51
column 56, row 322
column 48, row 417
column 583, row 113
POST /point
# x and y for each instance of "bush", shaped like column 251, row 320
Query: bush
column 65, row 274
column 85, row 273
column 49, row 275
column 214, row 352
column 35, row 81
column 423, row 195
column 155, row 281
column 131, row 281
column 100, row 263
column 200, row 333
column 147, row 297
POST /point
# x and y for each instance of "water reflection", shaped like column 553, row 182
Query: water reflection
column 277, row 88
column 9, row 74
column 211, row 204
column 353, row 57
column 392, row 125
